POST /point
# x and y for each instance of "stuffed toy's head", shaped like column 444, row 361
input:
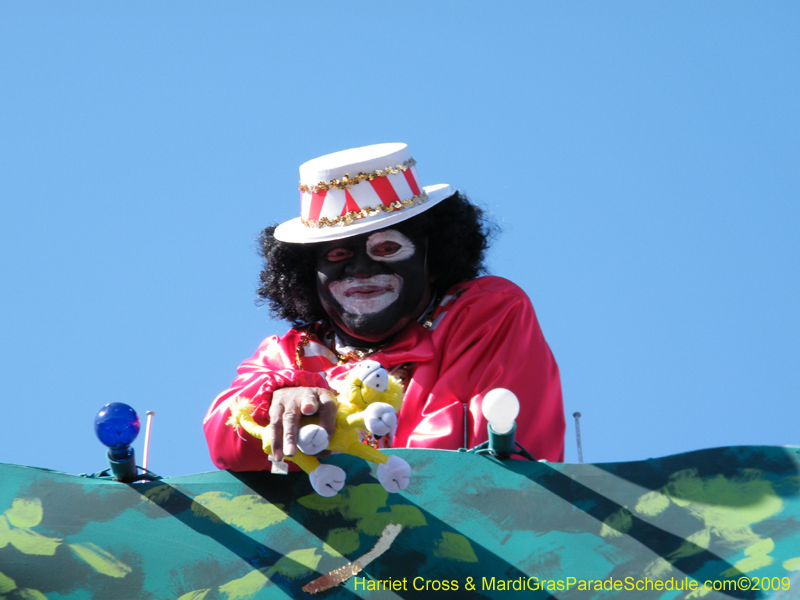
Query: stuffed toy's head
column 368, row 382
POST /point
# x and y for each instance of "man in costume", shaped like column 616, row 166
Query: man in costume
column 378, row 266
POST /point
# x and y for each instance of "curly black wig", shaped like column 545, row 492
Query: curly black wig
column 458, row 234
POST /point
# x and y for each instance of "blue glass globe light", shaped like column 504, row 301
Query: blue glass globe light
column 116, row 426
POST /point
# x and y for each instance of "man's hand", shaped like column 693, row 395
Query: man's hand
column 288, row 405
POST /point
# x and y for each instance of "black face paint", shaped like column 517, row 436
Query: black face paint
column 373, row 285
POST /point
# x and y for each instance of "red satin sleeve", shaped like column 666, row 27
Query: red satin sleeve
column 489, row 339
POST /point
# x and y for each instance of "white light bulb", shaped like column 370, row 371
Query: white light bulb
column 500, row 407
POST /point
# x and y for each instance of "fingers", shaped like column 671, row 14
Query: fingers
column 291, row 423
column 327, row 411
column 309, row 403
column 288, row 406
column 275, row 429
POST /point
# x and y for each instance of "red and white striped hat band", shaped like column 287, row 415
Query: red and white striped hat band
column 384, row 188
column 342, row 202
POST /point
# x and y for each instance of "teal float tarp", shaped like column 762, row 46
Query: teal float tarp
column 554, row 530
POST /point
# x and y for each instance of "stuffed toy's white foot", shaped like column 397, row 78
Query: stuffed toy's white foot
column 380, row 418
column 394, row 475
column 312, row 439
column 327, row 480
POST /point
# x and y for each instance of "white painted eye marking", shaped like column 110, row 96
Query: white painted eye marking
column 390, row 246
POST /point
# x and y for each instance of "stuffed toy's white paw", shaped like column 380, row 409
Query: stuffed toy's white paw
column 312, row 439
column 380, row 418
column 327, row 480
column 394, row 475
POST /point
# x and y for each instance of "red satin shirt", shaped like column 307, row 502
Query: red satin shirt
column 483, row 335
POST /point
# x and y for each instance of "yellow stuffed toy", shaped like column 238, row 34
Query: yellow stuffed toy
column 369, row 401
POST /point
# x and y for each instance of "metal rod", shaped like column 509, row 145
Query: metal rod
column 577, row 416
column 466, row 426
column 146, row 453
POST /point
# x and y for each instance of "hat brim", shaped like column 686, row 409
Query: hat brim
column 294, row 232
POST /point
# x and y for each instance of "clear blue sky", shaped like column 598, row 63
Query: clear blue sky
column 643, row 160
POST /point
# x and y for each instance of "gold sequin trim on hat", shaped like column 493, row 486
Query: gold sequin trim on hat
column 348, row 181
column 355, row 215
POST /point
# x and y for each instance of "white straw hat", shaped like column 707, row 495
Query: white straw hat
column 359, row 190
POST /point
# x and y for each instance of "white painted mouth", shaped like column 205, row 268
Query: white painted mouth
column 365, row 296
